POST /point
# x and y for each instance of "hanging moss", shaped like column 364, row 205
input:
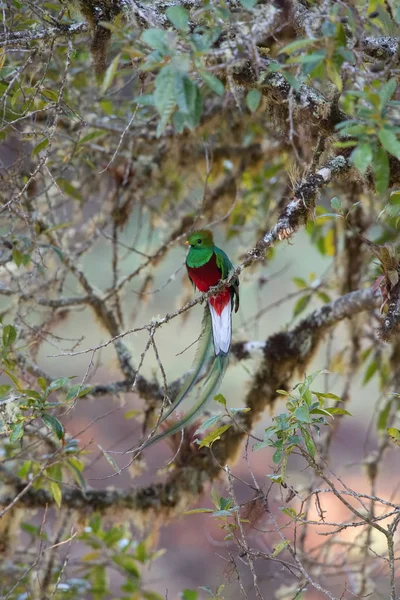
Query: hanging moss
column 95, row 12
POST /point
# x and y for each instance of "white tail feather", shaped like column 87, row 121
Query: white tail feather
column 222, row 328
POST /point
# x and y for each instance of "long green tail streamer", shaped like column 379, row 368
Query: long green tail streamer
column 209, row 389
column 204, row 352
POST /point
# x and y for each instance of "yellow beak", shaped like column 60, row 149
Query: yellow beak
column 187, row 243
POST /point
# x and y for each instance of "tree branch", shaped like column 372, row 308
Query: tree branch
column 285, row 353
column 26, row 37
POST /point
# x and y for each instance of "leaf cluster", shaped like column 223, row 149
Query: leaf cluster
column 306, row 414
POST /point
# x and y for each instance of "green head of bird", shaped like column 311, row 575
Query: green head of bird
column 200, row 239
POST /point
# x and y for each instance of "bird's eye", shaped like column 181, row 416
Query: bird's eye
column 199, row 241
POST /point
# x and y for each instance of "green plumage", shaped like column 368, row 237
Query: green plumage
column 197, row 257
column 203, row 354
column 201, row 251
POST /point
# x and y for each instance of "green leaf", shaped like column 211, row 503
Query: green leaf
column 235, row 411
column 290, row 512
column 361, row 157
column 215, row 497
column 42, row 383
column 253, row 100
column 213, row 436
column 386, row 92
column 9, row 335
column 220, row 399
column 66, row 186
column 127, row 563
column 25, row 469
column 299, row 282
column 55, row 472
column 334, row 74
column 292, row 81
column 301, row 305
column 207, row 589
column 54, row 425
column 131, row 414
column 327, row 395
column 383, row 417
column 156, row 39
column 196, row 511
column 50, row 95
column 308, row 441
column 107, row 107
column 222, row 513
column 17, row 431
column 297, row 45
column 17, row 257
column 380, row 166
column 185, row 93
column 41, row 146
column 57, row 227
column 370, row 371
column 277, row 456
column 32, row 530
column 303, row 387
column 213, row 82
column 109, row 459
column 165, row 96
column 189, row 595
column 4, row 390
column 91, row 136
column 394, row 435
column 320, row 411
column 33, row 394
column 390, row 142
column 336, row 204
column 323, row 297
column 141, row 553
column 76, row 466
column 54, row 249
column 279, row 547
column 179, row 17
column 193, row 119
column 395, row 197
column 109, row 74
column 313, row 59
column 179, row 121
column 302, row 414
column 55, row 489
column 77, row 391
column 99, row 579
column 14, row 379
column 145, row 100
column 149, row 595
column 208, row 423
column 249, row 4
column 352, row 127
column 337, row 411
column 57, row 384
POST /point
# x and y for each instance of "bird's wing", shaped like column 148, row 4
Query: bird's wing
column 225, row 266
column 223, row 262
column 192, row 282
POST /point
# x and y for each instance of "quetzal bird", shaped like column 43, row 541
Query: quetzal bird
column 206, row 265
